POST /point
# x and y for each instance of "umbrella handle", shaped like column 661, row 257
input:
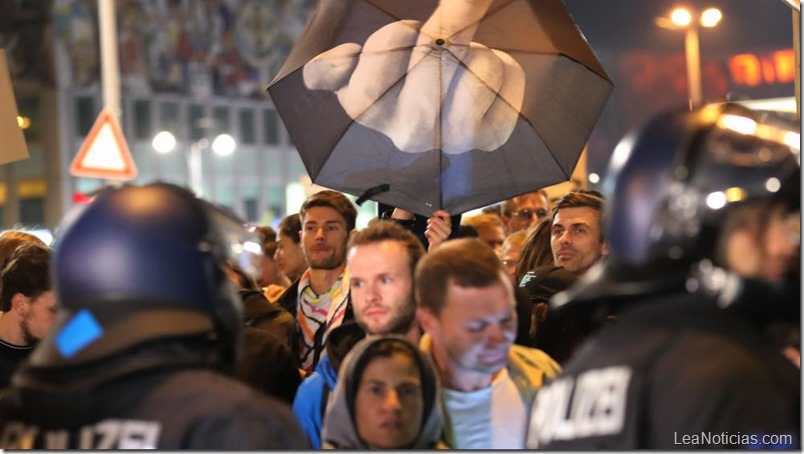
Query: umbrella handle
column 373, row 191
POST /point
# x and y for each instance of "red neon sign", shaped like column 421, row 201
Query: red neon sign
column 753, row 70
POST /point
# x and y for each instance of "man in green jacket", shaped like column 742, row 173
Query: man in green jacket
column 467, row 310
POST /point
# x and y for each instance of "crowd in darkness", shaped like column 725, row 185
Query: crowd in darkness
column 640, row 316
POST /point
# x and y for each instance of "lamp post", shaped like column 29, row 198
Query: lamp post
column 222, row 145
column 682, row 19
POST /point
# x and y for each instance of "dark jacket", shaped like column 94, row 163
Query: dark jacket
column 267, row 362
column 675, row 371
column 289, row 299
column 268, row 365
column 260, row 313
column 163, row 396
column 558, row 333
column 11, row 356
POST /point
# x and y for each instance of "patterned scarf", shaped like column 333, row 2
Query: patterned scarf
column 318, row 315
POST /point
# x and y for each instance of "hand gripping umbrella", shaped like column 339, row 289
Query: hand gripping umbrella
column 428, row 105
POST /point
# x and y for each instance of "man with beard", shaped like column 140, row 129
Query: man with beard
column 29, row 306
column 576, row 235
column 381, row 261
column 319, row 299
column 467, row 310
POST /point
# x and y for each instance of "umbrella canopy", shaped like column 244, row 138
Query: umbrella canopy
column 428, row 105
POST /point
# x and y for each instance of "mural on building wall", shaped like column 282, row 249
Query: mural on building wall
column 76, row 41
column 193, row 47
column 24, row 27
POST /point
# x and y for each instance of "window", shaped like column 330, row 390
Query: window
column 223, row 122
column 32, row 211
column 196, row 122
column 169, row 118
column 142, row 120
column 247, row 126
column 271, row 127
column 85, row 114
column 252, row 213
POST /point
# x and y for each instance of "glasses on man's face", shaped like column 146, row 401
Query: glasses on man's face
column 527, row 214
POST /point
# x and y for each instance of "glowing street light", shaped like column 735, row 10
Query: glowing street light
column 223, row 145
column 683, row 19
column 164, row 142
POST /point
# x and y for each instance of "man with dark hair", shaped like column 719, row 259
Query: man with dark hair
column 576, row 235
column 319, row 299
column 381, row 260
column 28, row 305
column 11, row 239
column 521, row 212
column 467, row 309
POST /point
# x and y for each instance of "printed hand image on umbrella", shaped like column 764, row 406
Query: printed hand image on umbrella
column 454, row 104
column 389, row 84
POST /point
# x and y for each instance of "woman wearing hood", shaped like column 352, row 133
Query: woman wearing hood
column 386, row 398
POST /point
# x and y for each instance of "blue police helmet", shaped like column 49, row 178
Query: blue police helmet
column 141, row 263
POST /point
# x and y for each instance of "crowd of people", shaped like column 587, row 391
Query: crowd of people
column 660, row 312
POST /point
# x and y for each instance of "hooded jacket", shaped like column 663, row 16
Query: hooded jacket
column 339, row 424
column 311, row 398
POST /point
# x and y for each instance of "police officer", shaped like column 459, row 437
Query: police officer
column 147, row 328
column 684, row 365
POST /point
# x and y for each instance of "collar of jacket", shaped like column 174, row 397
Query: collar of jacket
column 527, row 367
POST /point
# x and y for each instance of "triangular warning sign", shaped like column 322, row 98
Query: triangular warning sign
column 104, row 153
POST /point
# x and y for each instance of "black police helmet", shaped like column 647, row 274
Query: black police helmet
column 143, row 263
column 671, row 185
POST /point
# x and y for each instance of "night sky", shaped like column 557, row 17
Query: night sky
column 616, row 27
column 746, row 24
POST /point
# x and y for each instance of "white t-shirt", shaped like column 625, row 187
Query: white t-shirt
column 489, row 418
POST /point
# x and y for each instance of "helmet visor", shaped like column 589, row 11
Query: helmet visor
column 242, row 248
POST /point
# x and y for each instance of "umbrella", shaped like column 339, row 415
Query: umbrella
column 428, row 105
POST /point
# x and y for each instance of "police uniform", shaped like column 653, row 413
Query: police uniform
column 147, row 321
column 677, row 372
column 684, row 364
column 139, row 404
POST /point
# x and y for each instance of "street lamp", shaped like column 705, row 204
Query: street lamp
column 683, row 19
column 222, row 145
